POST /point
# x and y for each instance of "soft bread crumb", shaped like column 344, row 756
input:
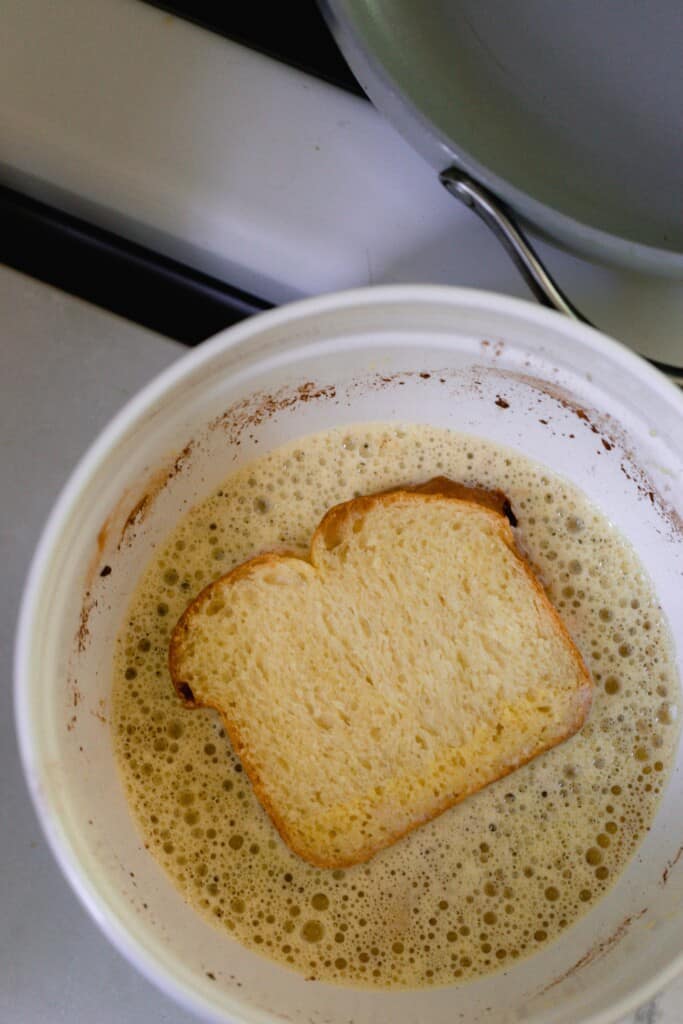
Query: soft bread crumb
column 411, row 660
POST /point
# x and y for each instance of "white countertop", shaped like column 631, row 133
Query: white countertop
column 67, row 367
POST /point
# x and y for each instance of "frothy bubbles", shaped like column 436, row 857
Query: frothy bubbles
column 496, row 877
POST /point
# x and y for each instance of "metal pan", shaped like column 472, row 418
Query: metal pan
column 564, row 116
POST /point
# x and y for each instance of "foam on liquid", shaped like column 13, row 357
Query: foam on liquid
column 493, row 879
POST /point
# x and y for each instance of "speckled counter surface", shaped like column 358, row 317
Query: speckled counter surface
column 67, row 368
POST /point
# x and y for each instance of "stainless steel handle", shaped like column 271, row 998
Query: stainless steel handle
column 525, row 259
column 496, row 217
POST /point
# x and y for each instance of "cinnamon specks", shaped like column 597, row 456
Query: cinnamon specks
column 252, row 411
column 612, row 439
column 400, row 379
column 492, row 348
column 180, row 461
column 83, row 629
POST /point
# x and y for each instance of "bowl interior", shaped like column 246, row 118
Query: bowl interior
column 574, row 401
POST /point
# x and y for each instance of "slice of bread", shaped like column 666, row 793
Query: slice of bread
column 411, row 660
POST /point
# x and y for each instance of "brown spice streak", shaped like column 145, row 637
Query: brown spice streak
column 83, row 629
column 136, row 514
column 597, row 951
column 154, row 487
column 671, row 864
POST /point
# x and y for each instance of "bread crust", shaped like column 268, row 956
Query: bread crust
column 331, row 527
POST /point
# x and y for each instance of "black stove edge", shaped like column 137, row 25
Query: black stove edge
column 126, row 278
column 119, row 275
column 294, row 33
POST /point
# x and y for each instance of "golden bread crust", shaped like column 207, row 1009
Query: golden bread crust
column 331, row 529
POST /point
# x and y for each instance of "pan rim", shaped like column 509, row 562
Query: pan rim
column 572, row 233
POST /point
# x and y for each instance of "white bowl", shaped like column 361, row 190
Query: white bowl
column 421, row 354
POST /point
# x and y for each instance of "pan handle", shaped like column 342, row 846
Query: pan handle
column 495, row 216
column 518, row 248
